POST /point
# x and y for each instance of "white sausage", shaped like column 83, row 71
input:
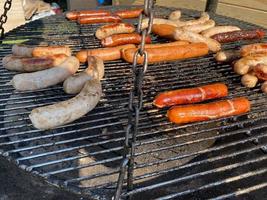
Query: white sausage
column 200, row 27
column 175, row 15
column 43, row 79
column 58, row 114
column 219, row 29
column 203, row 18
column 22, row 50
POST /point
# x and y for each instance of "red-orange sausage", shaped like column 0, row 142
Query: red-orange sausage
column 203, row 112
column 99, row 19
column 122, row 39
column 127, row 14
column 74, row 15
column 164, row 30
column 191, row 95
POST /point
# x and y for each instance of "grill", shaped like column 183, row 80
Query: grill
column 217, row 159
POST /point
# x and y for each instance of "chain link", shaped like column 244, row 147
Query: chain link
column 3, row 18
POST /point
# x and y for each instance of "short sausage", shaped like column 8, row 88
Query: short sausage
column 158, row 21
column 202, row 19
column 99, row 19
column 128, row 14
column 251, row 49
column 227, row 55
column 260, row 71
column 175, row 15
column 264, row 87
column 164, row 30
column 249, row 80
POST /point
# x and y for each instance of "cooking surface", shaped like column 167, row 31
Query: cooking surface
column 204, row 160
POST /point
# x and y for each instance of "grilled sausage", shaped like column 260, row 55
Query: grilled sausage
column 20, row 64
column 75, row 83
column 200, row 27
column 106, row 54
column 239, row 35
column 250, row 49
column 264, row 87
column 260, row 71
column 170, row 44
column 203, row 18
column 180, row 34
column 168, row 53
column 158, row 21
column 190, row 95
column 246, row 64
column 175, row 15
column 219, row 29
column 22, row 50
column 52, row 116
column 249, row 80
column 203, row 112
column 99, row 19
column 128, row 14
column 227, row 55
column 74, row 15
column 43, row 79
column 113, row 29
column 122, row 39
column 164, row 30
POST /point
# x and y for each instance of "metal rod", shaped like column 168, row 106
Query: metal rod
column 211, row 6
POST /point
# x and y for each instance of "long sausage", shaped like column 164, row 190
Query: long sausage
column 22, row 50
column 239, row 35
column 191, row 95
column 74, row 15
column 52, row 116
column 99, row 19
column 219, row 29
column 122, row 39
column 75, row 83
column 20, row 64
column 128, row 14
column 164, row 30
column 200, row 27
column 202, row 19
column 168, row 53
column 106, row 54
column 45, row 78
column 169, row 44
column 203, row 112
column 112, row 29
column 180, row 34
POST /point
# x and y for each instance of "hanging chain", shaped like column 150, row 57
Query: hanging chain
column 3, row 18
column 135, row 100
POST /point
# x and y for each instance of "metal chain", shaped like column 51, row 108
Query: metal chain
column 135, row 100
column 3, row 18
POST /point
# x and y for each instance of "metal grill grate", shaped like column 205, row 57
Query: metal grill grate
column 215, row 159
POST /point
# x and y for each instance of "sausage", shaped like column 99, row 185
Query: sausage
column 164, row 30
column 168, row 53
column 219, row 29
column 106, row 54
column 202, row 19
column 74, row 15
column 75, row 83
column 39, row 51
column 264, row 87
column 175, row 15
column 260, row 71
column 203, row 112
column 99, row 19
column 249, row 80
column 122, row 39
column 246, row 64
column 200, row 27
column 180, row 34
column 239, row 35
column 227, row 55
column 257, row 48
column 21, row 64
column 45, row 78
column 191, row 95
column 52, row 116
column 128, row 14
column 169, row 44
column 112, row 29
column 158, row 21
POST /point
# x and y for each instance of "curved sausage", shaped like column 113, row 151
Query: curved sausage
column 168, row 53
column 99, row 19
column 113, row 29
column 175, row 15
column 200, row 27
column 20, row 64
column 239, row 35
column 122, row 39
column 75, row 83
column 164, row 30
column 106, row 54
column 190, row 95
column 202, row 19
column 219, row 29
column 257, row 48
column 52, row 116
column 227, row 55
column 22, row 50
column 260, row 71
column 180, row 34
column 246, row 64
column 169, row 44
column 264, row 87
column 74, row 15
column 128, row 14
column 45, row 78
column 158, row 21
column 203, row 112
